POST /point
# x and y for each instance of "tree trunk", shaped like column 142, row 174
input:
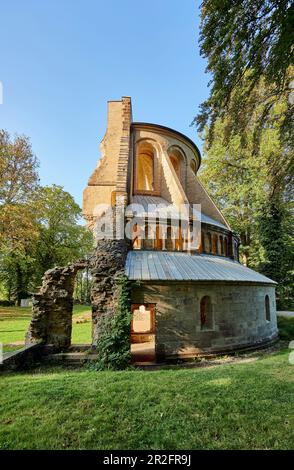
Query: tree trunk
column 18, row 285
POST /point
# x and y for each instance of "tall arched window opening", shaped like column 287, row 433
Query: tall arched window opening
column 177, row 160
column 214, row 244
column 221, row 241
column 149, row 237
column 176, row 164
column 225, row 246
column 267, row 308
column 145, row 167
column 208, row 245
column 206, row 318
column 169, row 242
column 179, row 239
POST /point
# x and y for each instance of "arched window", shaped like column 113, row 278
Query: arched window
column 206, row 319
column 267, row 308
column 179, row 239
column 202, row 250
column 193, row 166
column 214, row 244
column 136, row 237
column 169, row 243
column 225, row 246
column 176, row 164
column 113, row 198
column 177, row 159
column 158, row 239
column 149, row 237
column 208, row 247
column 221, row 241
column 145, row 167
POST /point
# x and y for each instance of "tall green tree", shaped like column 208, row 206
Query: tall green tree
column 244, row 42
column 254, row 189
column 62, row 239
column 18, row 225
column 39, row 226
column 248, row 123
column 18, row 182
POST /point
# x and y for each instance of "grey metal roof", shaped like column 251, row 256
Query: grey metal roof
column 178, row 266
column 146, row 201
column 208, row 220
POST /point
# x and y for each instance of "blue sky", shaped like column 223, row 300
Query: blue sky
column 61, row 60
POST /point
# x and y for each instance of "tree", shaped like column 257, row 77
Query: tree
column 18, row 225
column 61, row 237
column 276, row 238
column 18, row 182
column 254, row 188
column 39, row 227
column 246, row 42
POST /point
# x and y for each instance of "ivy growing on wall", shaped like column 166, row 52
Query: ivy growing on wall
column 113, row 346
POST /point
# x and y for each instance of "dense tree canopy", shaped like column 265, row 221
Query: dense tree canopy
column 39, row 226
column 61, row 237
column 254, row 190
column 18, row 181
column 247, row 125
column 247, row 41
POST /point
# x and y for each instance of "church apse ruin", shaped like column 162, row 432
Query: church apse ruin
column 155, row 222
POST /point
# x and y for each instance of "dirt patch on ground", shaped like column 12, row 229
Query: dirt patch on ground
column 240, row 357
column 84, row 318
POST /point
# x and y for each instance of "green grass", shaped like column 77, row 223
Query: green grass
column 9, row 348
column 246, row 405
column 14, row 322
column 240, row 406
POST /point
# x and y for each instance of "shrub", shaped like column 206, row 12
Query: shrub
column 6, row 303
column 286, row 328
column 113, row 346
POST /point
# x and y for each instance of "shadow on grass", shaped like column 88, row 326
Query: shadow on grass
column 240, row 406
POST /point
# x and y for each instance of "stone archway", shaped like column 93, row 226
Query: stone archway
column 51, row 322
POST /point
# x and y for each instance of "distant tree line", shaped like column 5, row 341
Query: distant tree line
column 247, row 127
column 39, row 226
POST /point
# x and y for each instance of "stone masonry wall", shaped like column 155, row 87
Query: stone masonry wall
column 239, row 318
column 107, row 265
column 51, row 321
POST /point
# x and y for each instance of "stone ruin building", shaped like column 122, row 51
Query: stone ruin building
column 188, row 298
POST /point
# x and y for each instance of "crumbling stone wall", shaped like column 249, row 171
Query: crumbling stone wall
column 107, row 266
column 51, row 322
column 52, row 307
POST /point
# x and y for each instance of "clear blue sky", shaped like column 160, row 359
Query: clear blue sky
column 61, row 60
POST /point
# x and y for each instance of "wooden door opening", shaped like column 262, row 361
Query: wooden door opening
column 143, row 333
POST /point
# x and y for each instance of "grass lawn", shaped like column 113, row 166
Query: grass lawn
column 240, row 406
column 14, row 322
column 246, row 405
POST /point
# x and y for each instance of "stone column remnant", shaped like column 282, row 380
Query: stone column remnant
column 107, row 266
column 51, row 321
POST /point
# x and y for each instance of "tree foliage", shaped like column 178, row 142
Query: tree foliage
column 255, row 189
column 18, row 181
column 61, row 237
column 39, row 226
column 246, row 42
